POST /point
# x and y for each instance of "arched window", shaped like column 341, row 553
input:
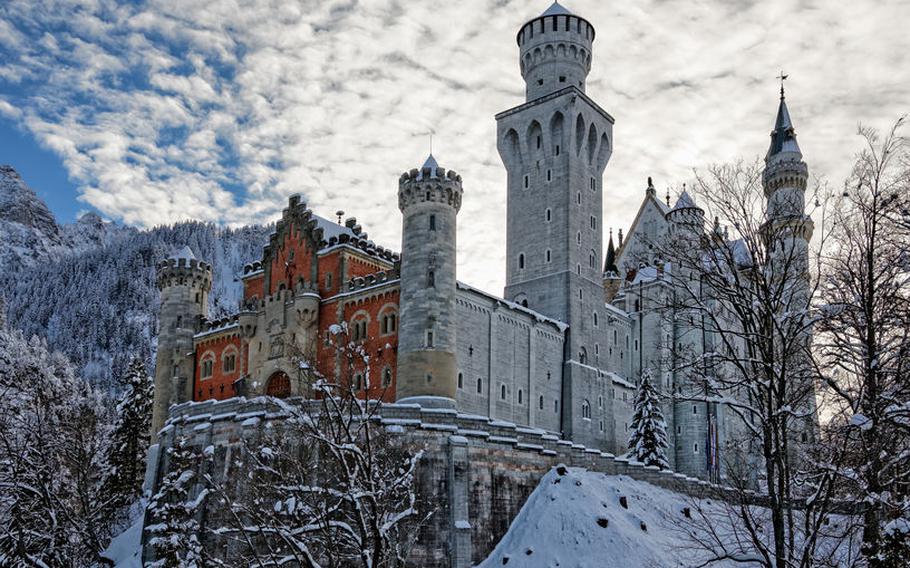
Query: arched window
column 386, row 377
column 208, row 366
column 432, row 222
column 479, row 385
column 278, row 385
column 502, row 392
column 556, row 406
column 595, row 319
column 359, row 329
column 549, row 255
column 358, row 383
column 521, row 261
column 586, row 409
column 520, row 396
column 229, row 361
column 389, row 322
column 540, row 402
column 583, row 356
column 431, row 279
column 549, row 215
column 461, row 380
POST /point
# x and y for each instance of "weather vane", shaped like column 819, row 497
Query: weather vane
column 782, row 78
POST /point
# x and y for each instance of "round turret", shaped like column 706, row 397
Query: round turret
column 184, row 283
column 429, row 199
column 555, row 51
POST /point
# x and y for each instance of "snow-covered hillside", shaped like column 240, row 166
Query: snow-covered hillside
column 89, row 287
column 583, row 519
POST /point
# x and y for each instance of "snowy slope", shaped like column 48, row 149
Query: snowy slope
column 576, row 520
column 28, row 231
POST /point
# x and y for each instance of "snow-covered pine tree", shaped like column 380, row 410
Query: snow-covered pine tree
column 648, row 441
column 130, row 438
column 174, row 530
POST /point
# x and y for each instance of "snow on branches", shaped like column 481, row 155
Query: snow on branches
column 648, row 441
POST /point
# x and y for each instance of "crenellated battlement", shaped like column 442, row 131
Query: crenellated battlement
column 430, row 184
column 785, row 173
column 555, row 52
column 184, row 271
column 370, row 280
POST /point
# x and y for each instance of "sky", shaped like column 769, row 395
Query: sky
column 163, row 110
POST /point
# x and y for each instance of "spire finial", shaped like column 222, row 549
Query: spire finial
column 340, row 214
column 668, row 196
column 782, row 78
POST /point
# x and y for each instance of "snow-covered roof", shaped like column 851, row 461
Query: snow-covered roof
column 685, row 201
column 518, row 307
column 431, row 163
column 331, row 229
column 556, row 9
column 186, row 252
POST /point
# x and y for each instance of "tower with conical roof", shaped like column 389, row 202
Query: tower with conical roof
column 555, row 147
column 184, row 283
column 788, row 230
column 429, row 200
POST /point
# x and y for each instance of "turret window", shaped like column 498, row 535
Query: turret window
column 578, row 198
column 556, row 151
column 595, row 319
column 556, row 406
column 432, row 222
column 593, row 222
column 593, row 184
column 461, row 380
column 431, row 279
column 521, row 261
column 540, row 403
column 520, row 397
column 549, row 215
column 479, row 385
column 549, row 255
column 527, row 181
column 429, row 338
column 549, row 176
column 502, row 392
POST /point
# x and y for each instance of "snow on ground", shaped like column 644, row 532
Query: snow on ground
column 125, row 549
column 577, row 520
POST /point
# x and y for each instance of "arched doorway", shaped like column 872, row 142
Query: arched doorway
column 278, row 385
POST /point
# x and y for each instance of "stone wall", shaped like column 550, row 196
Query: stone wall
column 478, row 471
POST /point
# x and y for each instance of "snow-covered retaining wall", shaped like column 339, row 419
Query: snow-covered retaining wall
column 477, row 470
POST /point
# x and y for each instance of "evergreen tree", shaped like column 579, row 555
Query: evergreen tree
column 130, row 438
column 648, row 442
column 174, row 529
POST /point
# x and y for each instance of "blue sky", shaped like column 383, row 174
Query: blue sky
column 161, row 110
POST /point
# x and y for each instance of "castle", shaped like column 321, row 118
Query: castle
column 561, row 351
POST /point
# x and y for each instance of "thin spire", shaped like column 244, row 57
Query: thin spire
column 783, row 137
column 782, row 78
column 610, row 262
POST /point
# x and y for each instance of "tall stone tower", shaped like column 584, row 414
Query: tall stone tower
column 184, row 283
column 429, row 199
column 790, row 229
column 555, row 147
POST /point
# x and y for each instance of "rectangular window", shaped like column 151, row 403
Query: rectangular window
column 429, row 339
column 328, row 280
column 527, row 181
column 549, row 175
column 432, row 222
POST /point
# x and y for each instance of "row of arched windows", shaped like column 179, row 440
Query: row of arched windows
column 388, row 324
column 228, row 362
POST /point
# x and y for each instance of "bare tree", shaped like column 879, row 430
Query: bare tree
column 747, row 296
column 865, row 338
column 328, row 484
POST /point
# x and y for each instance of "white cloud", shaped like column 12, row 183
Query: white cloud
column 157, row 110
